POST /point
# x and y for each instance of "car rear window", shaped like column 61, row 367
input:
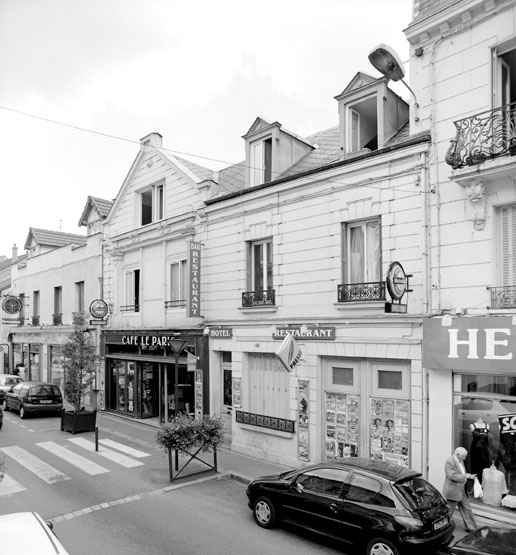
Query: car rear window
column 11, row 381
column 419, row 493
column 45, row 390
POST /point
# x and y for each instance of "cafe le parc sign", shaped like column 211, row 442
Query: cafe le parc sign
column 476, row 343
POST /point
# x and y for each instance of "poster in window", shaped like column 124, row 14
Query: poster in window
column 198, row 395
column 342, row 425
column 303, row 423
column 389, row 430
column 237, row 400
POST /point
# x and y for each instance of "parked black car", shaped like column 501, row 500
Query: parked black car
column 486, row 541
column 32, row 397
column 383, row 508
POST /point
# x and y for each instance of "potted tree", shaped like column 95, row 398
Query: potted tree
column 79, row 358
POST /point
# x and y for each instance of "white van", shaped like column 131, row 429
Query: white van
column 28, row 534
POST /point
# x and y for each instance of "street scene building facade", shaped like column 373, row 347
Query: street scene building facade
column 345, row 294
column 462, row 67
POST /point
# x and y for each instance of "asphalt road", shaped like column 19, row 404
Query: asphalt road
column 119, row 500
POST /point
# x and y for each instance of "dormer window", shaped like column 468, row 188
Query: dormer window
column 370, row 114
column 261, row 162
column 152, row 204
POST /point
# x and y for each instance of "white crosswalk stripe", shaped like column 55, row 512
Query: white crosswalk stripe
column 106, row 453
column 80, row 462
column 40, row 468
column 9, row 486
column 124, row 448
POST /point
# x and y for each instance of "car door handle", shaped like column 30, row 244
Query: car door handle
column 334, row 507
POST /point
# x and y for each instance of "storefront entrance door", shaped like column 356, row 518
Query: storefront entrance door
column 226, row 410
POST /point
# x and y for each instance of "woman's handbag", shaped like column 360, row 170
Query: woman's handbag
column 477, row 489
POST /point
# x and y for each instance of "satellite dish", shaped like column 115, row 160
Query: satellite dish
column 387, row 62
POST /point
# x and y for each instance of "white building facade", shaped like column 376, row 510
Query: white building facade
column 463, row 66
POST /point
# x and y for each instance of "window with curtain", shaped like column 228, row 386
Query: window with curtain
column 178, row 279
column 362, row 251
column 132, row 291
column 268, row 386
column 260, row 265
column 152, row 204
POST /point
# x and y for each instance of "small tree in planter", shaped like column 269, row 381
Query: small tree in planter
column 79, row 357
column 191, row 437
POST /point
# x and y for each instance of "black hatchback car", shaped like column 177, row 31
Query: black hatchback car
column 382, row 508
column 34, row 397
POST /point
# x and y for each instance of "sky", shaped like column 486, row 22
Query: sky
column 82, row 81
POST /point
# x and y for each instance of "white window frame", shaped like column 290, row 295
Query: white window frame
column 369, row 274
column 177, row 293
column 132, row 291
column 353, row 116
column 259, row 171
column 506, row 245
column 267, row 279
column 157, row 196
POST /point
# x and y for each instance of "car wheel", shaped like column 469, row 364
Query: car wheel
column 23, row 412
column 264, row 512
column 381, row 546
column 4, row 405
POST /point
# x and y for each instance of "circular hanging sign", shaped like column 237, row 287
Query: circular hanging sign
column 396, row 281
column 12, row 305
column 98, row 308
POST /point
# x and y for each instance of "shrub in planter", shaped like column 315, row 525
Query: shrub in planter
column 185, row 434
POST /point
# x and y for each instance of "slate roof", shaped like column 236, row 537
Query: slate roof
column 200, row 171
column 53, row 238
column 102, row 206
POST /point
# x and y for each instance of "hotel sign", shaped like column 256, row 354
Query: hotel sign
column 484, row 344
column 194, row 298
column 305, row 333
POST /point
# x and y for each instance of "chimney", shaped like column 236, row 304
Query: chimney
column 152, row 139
column 15, row 252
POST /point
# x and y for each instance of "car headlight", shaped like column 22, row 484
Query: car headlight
column 409, row 522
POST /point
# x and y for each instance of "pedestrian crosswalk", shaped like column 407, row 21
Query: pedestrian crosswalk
column 75, row 453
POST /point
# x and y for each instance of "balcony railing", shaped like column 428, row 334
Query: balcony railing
column 484, row 136
column 503, row 297
column 181, row 303
column 130, row 308
column 35, row 320
column 263, row 421
column 258, row 298
column 357, row 292
column 57, row 319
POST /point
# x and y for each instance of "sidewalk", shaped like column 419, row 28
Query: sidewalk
column 245, row 468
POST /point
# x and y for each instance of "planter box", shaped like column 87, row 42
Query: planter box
column 78, row 421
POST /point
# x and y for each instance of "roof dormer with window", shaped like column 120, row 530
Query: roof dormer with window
column 270, row 150
column 369, row 115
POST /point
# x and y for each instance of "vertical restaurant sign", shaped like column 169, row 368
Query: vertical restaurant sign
column 194, row 263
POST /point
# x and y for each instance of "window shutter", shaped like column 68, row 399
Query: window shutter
column 508, row 245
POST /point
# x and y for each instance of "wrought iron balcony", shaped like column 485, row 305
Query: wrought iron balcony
column 57, row 319
column 503, row 297
column 356, row 292
column 263, row 421
column 484, row 136
column 258, row 298
column 130, row 308
column 181, row 303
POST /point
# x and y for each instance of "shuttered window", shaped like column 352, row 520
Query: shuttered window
column 508, row 245
column 268, row 386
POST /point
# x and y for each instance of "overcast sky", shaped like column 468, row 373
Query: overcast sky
column 198, row 72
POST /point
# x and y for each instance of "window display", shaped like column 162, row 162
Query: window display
column 342, row 431
column 390, row 430
column 480, row 401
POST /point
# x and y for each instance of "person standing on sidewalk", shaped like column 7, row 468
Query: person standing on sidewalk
column 454, row 489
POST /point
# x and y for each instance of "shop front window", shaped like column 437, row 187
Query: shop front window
column 56, row 369
column 122, row 383
column 483, row 405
